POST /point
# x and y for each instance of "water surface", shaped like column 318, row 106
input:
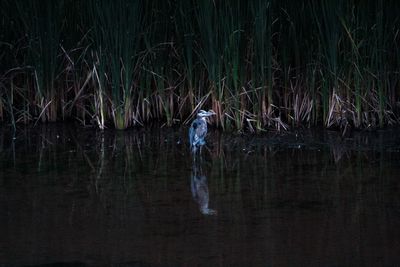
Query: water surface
column 82, row 197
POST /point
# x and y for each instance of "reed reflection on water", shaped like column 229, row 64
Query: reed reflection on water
column 78, row 195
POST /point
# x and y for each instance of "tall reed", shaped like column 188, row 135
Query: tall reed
column 186, row 36
column 117, row 28
column 260, row 64
column 42, row 25
column 262, row 34
column 209, row 24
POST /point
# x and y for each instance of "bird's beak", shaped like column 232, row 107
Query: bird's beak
column 211, row 112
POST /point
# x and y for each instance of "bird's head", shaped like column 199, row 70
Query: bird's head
column 203, row 113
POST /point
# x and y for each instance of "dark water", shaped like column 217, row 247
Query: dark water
column 137, row 198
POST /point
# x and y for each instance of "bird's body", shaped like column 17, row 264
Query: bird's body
column 198, row 130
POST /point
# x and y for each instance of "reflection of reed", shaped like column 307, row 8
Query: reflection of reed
column 126, row 194
column 338, row 151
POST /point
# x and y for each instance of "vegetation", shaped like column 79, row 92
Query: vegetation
column 258, row 64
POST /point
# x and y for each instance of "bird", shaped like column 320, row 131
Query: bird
column 198, row 130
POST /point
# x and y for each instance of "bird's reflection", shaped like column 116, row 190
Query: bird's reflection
column 199, row 188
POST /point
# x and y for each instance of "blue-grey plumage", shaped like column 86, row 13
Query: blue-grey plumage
column 198, row 130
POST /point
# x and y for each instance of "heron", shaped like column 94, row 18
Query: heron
column 198, row 130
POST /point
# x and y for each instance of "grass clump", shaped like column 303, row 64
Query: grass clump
column 258, row 65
